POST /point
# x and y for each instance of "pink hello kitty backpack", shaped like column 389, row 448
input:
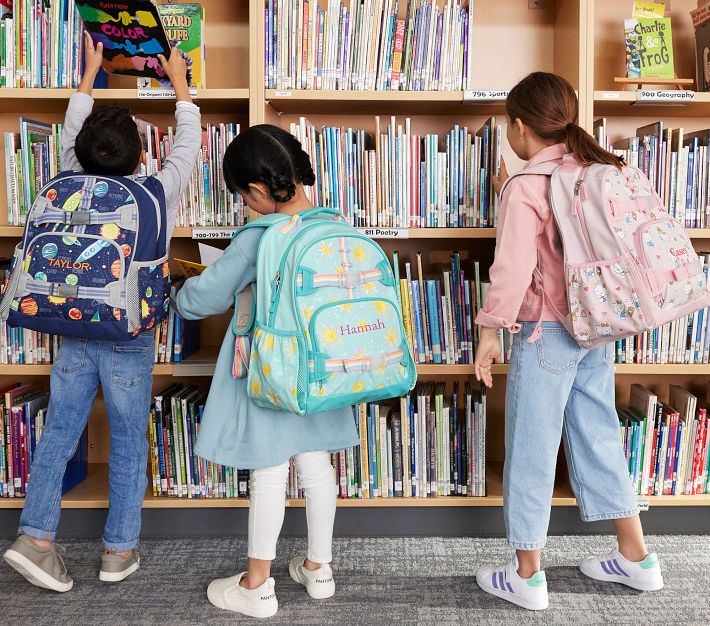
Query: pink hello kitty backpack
column 629, row 266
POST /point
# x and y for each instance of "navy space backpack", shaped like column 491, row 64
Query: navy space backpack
column 93, row 260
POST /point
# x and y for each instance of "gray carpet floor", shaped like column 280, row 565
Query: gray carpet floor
column 379, row 581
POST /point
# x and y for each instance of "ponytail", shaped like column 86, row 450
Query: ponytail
column 548, row 105
column 585, row 148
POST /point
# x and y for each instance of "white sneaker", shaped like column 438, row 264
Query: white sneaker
column 504, row 582
column 319, row 583
column 227, row 593
column 614, row 568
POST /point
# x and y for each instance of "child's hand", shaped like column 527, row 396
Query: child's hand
column 176, row 70
column 499, row 181
column 487, row 353
column 175, row 67
column 93, row 56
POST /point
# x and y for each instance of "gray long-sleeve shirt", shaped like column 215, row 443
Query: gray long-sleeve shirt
column 177, row 167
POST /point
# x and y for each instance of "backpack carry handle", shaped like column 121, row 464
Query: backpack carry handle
column 318, row 210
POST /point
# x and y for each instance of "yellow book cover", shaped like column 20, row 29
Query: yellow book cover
column 190, row 268
column 648, row 9
column 184, row 27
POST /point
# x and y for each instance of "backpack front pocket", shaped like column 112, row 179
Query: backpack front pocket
column 277, row 378
column 673, row 271
column 358, row 352
column 71, row 277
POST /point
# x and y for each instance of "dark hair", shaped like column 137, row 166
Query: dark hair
column 270, row 155
column 108, row 142
column 548, row 104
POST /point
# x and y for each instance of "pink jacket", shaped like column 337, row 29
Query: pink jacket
column 526, row 238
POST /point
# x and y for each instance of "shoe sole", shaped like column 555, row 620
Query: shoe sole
column 623, row 580
column 117, row 577
column 34, row 574
column 321, row 592
column 258, row 612
column 512, row 598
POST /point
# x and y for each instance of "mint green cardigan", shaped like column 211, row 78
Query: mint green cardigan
column 234, row 431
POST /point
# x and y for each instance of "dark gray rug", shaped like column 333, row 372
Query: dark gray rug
column 379, row 581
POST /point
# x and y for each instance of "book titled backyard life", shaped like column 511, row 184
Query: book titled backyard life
column 184, row 27
column 131, row 33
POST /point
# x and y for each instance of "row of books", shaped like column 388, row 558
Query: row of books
column 175, row 470
column 41, row 44
column 176, row 338
column 368, row 45
column 397, row 178
column 23, row 414
column 682, row 341
column 32, row 158
column 206, row 200
column 677, row 164
column 439, row 313
column 666, row 444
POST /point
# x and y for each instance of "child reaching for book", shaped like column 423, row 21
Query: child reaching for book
column 267, row 166
column 105, row 142
column 555, row 389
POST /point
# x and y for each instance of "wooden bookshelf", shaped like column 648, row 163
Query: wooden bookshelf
column 579, row 39
column 93, row 494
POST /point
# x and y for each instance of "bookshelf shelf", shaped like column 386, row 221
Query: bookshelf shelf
column 36, row 99
column 624, row 103
column 202, row 364
column 93, row 494
column 379, row 102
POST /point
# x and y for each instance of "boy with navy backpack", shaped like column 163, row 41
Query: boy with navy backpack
column 92, row 267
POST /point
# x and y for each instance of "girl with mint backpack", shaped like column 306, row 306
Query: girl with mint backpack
column 267, row 166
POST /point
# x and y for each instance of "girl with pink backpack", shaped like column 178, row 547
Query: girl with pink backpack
column 569, row 245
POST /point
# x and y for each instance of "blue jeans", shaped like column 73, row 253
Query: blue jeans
column 556, row 390
column 124, row 370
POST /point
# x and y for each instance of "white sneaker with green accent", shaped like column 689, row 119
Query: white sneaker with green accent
column 504, row 582
column 228, row 594
column 614, row 568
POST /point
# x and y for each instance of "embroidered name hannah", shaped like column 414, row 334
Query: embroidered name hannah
column 362, row 328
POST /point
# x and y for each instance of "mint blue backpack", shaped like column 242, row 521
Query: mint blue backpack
column 327, row 326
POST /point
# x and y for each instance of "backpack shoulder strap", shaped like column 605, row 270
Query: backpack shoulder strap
column 547, row 168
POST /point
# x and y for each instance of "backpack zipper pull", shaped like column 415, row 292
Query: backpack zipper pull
column 277, row 281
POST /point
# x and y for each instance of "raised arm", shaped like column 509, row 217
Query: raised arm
column 180, row 163
column 80, row 104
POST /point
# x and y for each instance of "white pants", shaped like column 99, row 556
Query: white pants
column 268, row 503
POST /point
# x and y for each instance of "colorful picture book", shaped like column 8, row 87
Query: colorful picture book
column 367, row 45
column 23, row 415
column 175, row 470
column 431, row 443
column 131, row 33
column 649, row 42
column 397, row 178
column 676, row 162
column 40, row 44
column 666, row 443
column 184, row 26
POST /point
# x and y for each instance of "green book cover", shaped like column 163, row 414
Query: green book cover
column 655, row 47
column 183, row 24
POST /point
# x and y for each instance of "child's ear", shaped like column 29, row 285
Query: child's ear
column 519, row 127
column 260, row 189
column 141, row 161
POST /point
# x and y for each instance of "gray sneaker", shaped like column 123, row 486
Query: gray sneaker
column 115, row 567
column 41, row 566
